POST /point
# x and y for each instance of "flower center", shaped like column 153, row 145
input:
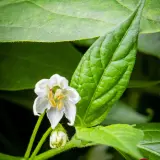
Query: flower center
column 56, row 97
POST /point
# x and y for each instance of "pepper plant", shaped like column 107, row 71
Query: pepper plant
column 84, row 88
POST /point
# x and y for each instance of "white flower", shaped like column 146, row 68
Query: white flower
column 57, row 98
column 58, row 139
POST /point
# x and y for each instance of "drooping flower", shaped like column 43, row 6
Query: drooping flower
column 57, row 98
column 58, row 139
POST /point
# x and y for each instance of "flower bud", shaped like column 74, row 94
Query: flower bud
column 58, row 139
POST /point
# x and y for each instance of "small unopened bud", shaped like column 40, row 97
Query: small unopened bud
column 58, row 139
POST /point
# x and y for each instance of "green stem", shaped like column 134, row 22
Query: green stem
column 45, row 135
column 71, row 144
column 53, row 152
column 28, row 151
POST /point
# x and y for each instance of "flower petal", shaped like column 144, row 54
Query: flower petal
column 41, row 88
column 40, row 104
column 53, row 139
column 73, row 95
column 63, row 83
column 57, row 80
column 54, row 115
column 70, row 112
column 62, row 137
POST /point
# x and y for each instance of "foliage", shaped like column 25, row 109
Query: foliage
column 118, row 85
column 122, row 137
column 69, row 20
column 150, row 145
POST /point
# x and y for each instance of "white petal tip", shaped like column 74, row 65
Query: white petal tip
column 36, row 114
column 53, row 127
column 53, row 147
column 70, row 124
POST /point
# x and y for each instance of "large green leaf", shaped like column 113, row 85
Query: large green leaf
column 104, row 71
column 117, row 112
column 150, row 146
column 65, row 20
column 122, row 137
column 23, row 64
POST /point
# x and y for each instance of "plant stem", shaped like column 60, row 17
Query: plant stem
column 45, row 135
column 53, row 152
column 74, row 142
column 28, row 151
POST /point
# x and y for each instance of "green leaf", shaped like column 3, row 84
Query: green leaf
column 122, row 137
column 116, row 115
column 142, row 84
column 69, row 20
column 150, row 146
column 104, row 71
column 8, row 157
column 23, row 64
column 150, row 44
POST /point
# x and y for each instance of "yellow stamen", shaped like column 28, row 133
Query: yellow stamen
column 60, row 105
column 56, row 100
column 50, row 95
column 51, row 100
column 60, row 97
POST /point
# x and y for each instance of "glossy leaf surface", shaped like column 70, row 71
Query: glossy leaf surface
column 104, row 71
column 122, row 137
column 150, row 145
